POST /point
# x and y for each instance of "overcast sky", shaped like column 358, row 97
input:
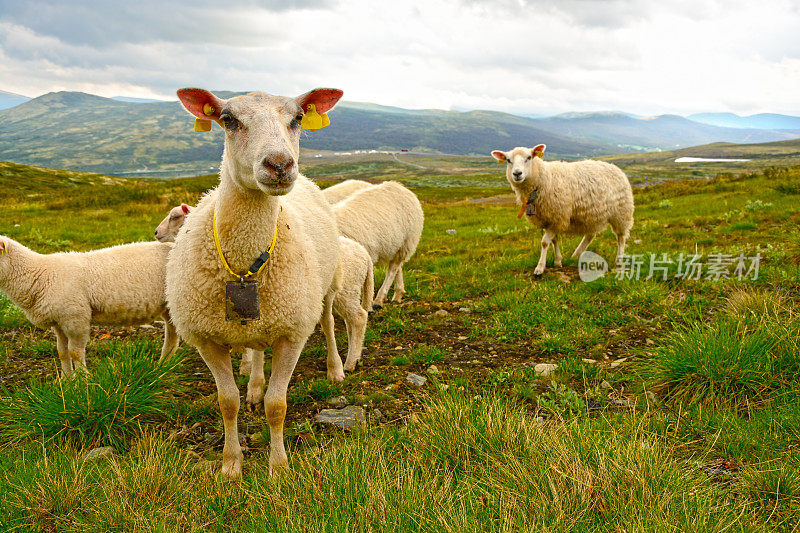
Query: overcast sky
column 523, row 56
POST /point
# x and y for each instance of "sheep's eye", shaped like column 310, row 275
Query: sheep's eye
column 508, row 161
column 229, row 121
column 295, row 123
column 529, row 158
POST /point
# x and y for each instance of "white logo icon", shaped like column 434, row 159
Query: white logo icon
column 591, row 266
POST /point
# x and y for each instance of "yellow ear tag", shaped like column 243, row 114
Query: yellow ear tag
column 202, row 124
column 538, row 153
column 313, row 121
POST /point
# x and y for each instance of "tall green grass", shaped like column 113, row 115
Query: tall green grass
column 729, row 361
column 463, row 465
column 104, row 407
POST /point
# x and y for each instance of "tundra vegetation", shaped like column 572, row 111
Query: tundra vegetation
column 675, row 404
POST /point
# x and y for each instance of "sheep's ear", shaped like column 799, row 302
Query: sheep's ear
column 322, row 99
column 201, row 103
column 500, row 156
column 538, row 150
column 185, row 208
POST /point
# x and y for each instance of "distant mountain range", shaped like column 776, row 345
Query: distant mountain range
column 11, row 99
column 117, row 136
column 769, row 121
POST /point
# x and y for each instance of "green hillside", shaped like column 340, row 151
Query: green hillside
column 85, row 132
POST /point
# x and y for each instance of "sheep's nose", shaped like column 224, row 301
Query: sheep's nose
column 280, row 163
column 517, row 173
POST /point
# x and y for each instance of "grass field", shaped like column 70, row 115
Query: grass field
column 675, row 404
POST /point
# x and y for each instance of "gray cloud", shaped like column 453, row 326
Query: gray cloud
column 513, row 55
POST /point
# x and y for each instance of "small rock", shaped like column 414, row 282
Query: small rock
column 147, row 326
column 651, row 396
column 589, row 361
column 605, row 384
column 376, row 414
column 545, row 369
column 465, row 309
column 450, row 231
column 650, row 342
column 443, row 386
column 462, row 337
column 618, row 362
column 539, row 421
column 338, row 402
column 97, row 453
column 433, row 369
column 347, row 418
column 416, row 379
column 441, row 312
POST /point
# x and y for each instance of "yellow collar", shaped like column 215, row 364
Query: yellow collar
column 259, row 263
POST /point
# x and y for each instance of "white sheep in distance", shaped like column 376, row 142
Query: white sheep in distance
column 261, row 198
column 68, row 292
column 386, row 219
column 581, row 197
column 352, row 302
column 340, row 191
column 168, row 228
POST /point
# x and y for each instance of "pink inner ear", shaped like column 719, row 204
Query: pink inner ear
column 539, row 148
column 499, row 155
column 323, row 99
column 185, row 209
column 195, row 100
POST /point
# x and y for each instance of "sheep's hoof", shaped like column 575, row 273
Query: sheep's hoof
column 336, row 377
column 232, row 467
column 377, row 307
column 349, row 367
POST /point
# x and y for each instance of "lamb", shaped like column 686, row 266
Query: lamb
column 352, row 302
column 386, row 219
column 262, row 203
column 581, row 197
column 166, row 231
column 68, row 292
column 340, row 191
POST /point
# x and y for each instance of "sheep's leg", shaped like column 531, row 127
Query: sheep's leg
column 621, row 238
column 171, row 338
column 557, row 250
column 77, row 349
column 585, row 242
column 549, row 235
column 334, row 362
column 247, row 363
column 391, row 274
column 62, row 345
column 356, row 328
column 284, row 358
column 399, row 286
column 218, row 360
column 255, row 387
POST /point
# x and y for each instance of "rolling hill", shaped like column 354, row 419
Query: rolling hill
column 86, row 132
